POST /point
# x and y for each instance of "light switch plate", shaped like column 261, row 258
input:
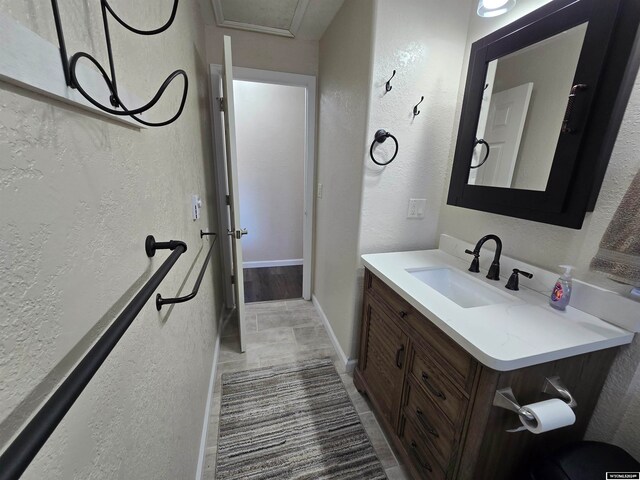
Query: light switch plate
column 196, row 206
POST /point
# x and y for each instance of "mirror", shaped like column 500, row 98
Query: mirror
column 523, row 108
column 543, row 101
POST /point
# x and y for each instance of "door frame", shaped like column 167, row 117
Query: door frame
column 308, row 82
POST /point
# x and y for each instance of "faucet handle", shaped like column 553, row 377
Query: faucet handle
column 512, row 284
column 475, row 263
column 522, row 272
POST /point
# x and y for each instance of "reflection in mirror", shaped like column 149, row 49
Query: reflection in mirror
column 523, row 106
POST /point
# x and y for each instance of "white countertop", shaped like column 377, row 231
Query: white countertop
column 521, row 332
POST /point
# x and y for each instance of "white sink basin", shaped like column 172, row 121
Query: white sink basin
column 460, row 287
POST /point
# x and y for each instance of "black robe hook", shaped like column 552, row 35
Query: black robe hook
column 415, row 109
column 388, row 86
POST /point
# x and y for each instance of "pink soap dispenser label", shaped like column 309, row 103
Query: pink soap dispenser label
column 557, row 293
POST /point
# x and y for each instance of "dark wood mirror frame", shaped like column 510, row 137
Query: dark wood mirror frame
column 608, row 64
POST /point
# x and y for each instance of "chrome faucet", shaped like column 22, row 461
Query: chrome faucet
column 494, row 269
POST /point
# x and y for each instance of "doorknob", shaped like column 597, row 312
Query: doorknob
column 238, row 233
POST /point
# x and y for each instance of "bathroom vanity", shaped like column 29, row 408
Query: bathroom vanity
column 432, row 358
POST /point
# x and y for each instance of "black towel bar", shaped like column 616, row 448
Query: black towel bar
column 162, row 301
column 17, row 457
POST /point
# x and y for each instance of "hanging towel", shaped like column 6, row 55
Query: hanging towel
column 619, row 252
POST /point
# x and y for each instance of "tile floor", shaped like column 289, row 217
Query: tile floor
column 285, row 332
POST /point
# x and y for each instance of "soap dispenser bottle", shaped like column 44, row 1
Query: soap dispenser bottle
column 562, row 289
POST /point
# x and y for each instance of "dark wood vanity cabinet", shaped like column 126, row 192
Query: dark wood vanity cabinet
column 435, row 400
column 383, row 366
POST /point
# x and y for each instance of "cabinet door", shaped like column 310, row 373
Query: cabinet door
column 384, row 361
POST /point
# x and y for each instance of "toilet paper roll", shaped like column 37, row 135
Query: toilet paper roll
column 549, row 415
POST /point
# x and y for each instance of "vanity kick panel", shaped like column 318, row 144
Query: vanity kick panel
column 435, row 400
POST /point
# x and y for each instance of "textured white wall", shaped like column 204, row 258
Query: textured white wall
column 78, row 195
column 343, row 82
column 424, row 41
column 270, row 132
column 617, row 414
column 262, row 51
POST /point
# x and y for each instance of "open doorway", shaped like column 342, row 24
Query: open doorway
column 268, row 180
column 270, row 136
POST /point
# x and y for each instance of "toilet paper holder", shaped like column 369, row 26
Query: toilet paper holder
column 504, row 398
column 555, row 386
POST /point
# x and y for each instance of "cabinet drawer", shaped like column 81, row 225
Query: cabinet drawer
column 421, row 457
column 434, row 426
column 448, row 351
column 438, row 387
column 397, row 306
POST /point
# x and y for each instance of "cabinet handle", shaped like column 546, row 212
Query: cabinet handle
column 427, row 381
column 425, row 424
column 399, row 356
column 569, row 111
column 403, row 314
column 422, row 463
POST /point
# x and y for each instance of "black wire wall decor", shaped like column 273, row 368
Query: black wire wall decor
column 380, row 137
column 69, row 66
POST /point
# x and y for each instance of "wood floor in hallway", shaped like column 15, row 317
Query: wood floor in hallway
column 272, row 283
column 286, row 332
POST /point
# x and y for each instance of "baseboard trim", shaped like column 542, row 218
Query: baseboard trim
column 273, row 263
column 349, row 363
column 224, row 317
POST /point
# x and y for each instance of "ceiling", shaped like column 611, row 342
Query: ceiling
column 304, row 19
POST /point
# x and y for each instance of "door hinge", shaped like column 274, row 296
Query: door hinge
column 221, row 103
column 228, row 199
column 233, row 279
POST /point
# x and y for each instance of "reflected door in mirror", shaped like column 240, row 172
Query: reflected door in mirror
column 523, row 108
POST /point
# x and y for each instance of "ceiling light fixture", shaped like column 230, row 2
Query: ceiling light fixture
column 493, row 8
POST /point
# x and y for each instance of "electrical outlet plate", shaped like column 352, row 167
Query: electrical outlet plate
column 417, row 207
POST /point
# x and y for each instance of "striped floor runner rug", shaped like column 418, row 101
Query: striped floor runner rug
column 292, row 422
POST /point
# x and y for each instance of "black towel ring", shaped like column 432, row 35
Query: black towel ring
column 380, row 136
column 486, row 156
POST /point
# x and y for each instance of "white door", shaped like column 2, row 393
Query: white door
column 479, row 151
column 503, row 133
column 278, row 78
column 235, row 229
